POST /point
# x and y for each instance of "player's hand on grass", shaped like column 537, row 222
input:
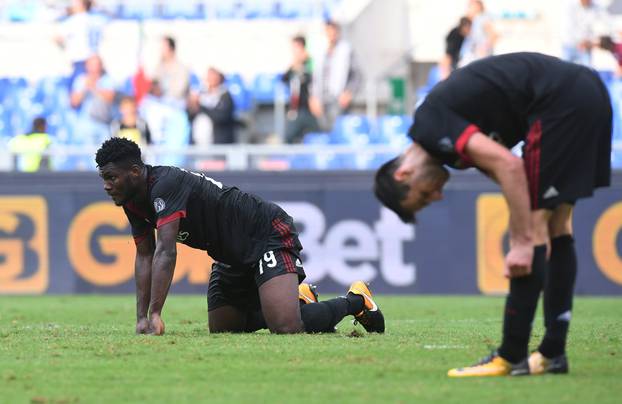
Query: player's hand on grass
column 518, row 260
column 156, row 324
column 142, row 326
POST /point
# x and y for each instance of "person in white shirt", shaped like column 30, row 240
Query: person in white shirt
column 336, row 78
column 481, row 39
column 583, row 24
column 80, row 35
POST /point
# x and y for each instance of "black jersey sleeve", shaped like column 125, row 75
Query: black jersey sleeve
column 443, row 134
column 138, row 222
column 169, row 196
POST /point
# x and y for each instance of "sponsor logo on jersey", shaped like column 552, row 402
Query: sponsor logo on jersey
column 446, row 144
column 182, row 236
column 550, row 193
column 159, row 205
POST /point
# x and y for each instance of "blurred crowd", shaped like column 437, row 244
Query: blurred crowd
column 586, row 27
column 175, row 106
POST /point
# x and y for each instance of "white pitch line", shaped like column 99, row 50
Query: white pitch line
column 444, row 346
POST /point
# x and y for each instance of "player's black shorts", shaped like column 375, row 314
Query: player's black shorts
column 567, row 152
column 238, row 286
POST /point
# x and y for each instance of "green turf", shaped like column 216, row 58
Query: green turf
column 82, row 349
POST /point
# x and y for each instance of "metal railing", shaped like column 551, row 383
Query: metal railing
column 226, row 157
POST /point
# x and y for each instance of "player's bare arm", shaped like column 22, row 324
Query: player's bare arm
column 163, row 267
column 509, row 171
column 142, row 276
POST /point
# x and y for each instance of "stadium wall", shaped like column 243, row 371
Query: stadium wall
column 60, row 234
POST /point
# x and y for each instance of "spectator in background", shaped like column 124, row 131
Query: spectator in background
column 336, row 78
column 300, row 120
column 80, row 36
column 171, row 74
column 454, row 40
column 583, row 24
column 29, row 147
column 212, row 111
column 480, row 42
column 615, row 48
column 168, row 125
column 92, row 96
column 130, row 126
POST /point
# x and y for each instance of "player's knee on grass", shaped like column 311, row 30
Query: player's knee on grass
column 289, row 327
column 279, row 304
column 226, row 319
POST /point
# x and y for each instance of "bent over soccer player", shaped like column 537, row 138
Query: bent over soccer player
column 254, row 283
column 562, row 112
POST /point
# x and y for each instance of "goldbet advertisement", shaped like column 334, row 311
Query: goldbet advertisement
column 60, row 234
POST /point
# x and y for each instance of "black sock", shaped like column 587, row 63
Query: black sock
column 323, row 316
column 356, row 303
column 520, row 308
column 558, row 290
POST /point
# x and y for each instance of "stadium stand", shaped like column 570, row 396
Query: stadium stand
column 30, row 96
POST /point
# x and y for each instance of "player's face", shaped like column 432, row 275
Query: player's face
column 421, row 194
column 119, row 183
column 425, row 183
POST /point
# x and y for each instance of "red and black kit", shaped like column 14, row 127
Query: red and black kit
column 560, row 110
column 252, row 240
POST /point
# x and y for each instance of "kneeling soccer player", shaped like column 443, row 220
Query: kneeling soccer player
column 563, row 114
column 254, row 283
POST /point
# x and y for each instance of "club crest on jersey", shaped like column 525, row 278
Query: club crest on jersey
column 159, row 205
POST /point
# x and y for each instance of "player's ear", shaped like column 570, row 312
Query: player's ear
column 403, row 172
column 136, row 170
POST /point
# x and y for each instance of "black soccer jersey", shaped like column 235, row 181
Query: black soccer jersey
column 231, row 225
column 499, row 96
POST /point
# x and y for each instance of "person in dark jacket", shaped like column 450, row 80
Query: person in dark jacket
column 211, row 111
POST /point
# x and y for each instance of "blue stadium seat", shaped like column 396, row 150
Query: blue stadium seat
column 351, row 129
column 187, row 9
column 239, row 93
column 317, row 138
column 136, row 10
column 228, row 9
column 195, row 82
column 300, row 9
column 390, row 128
column 258, row 9
column 265, row 86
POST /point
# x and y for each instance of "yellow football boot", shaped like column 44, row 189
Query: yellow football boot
column 307, row 293
column 371, row 318
column 492, row 365
column 539, row 364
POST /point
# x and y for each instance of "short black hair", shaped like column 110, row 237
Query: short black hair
column 118, row 150
column 465, row 22
column 332, row 23
column 39, row 125
column 390, row 192
column 300, row 39
column 170, row 41
column 606, row 42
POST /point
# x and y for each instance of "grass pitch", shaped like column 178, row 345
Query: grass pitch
column 72, row 349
